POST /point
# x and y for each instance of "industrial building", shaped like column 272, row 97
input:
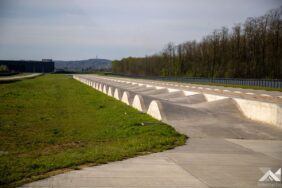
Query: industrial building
column 45, row 66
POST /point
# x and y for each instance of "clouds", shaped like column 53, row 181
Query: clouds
column 80, row 29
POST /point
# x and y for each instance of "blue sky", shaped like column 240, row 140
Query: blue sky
column 112, row 29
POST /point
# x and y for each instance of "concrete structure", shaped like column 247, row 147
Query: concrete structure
column 138, row 103
column 125, row 98
column 227, row 144
column 110, row 91
column 258, row 110
column 20, row 77
column 155, row 110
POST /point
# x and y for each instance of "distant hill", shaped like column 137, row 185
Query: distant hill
column 83, row 65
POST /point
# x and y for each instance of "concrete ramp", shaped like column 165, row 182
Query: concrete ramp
column 198, row 114
column 210, row 97
column 218, row 119
column 144, row 89
column 181, row 113
column 131, row 87
column 191, row 99
column 207, row 111
column 171, row 95
column 155, row 92
column 219, row 106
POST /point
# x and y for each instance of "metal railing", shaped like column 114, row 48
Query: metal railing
column 271, row 83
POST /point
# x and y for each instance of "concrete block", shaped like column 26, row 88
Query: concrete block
column 270, row 113
column 110, row 91
column 101, row 87
column 172, row 90
column 211, row 97
column 188, row 93
column 155, row 110
column 105, row 89
column 159, row 87
column 125, row 98
column 117, row 94
column 93, row 85
column 138, row 103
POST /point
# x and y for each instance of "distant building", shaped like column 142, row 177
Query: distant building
column 47, row 60
column 46, row 65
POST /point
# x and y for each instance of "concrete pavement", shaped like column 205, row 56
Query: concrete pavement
column 225, row 148
column 270, row 96
column 11, row 78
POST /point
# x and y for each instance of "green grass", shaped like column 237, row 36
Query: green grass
column 53, row 122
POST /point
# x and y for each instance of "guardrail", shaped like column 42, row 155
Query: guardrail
column 272, row 83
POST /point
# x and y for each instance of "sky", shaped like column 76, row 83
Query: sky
column 113, row 29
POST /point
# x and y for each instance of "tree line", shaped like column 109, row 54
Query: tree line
column 249, row 50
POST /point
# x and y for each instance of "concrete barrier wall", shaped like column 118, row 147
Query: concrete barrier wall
column 210, row 97
column 101, row 87
column 105, row 89
column 269, row 113
column 154, row 109
column 188, row 93
column 261, row 111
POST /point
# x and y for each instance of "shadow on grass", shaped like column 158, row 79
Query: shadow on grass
column 18, row 79
column 9, row 81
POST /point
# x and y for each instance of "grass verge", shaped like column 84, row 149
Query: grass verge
column 54, row 122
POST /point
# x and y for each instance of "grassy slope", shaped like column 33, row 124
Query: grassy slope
column 54, row 122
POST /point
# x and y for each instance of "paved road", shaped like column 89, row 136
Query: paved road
column 9, row 78
column 271, row 96
column 224, row 149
